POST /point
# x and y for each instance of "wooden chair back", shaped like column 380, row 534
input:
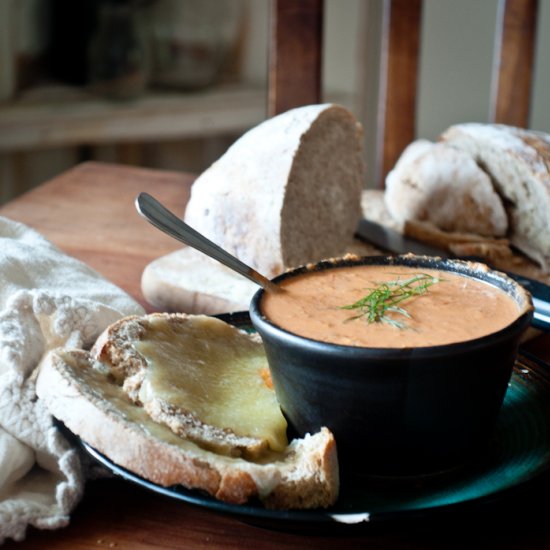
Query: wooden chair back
column 296, row 61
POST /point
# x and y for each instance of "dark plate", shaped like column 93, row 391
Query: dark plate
column 518, row 453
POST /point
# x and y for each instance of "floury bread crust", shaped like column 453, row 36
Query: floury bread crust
column 287, row 192
column 188, row 280
column 478, row 189
column 496, row 251
column 518, row 162
column 83, row 395
column 437, row 183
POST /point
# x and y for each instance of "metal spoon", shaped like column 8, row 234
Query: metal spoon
column 159, row 216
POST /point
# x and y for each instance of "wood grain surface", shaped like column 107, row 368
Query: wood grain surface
column 89, row 213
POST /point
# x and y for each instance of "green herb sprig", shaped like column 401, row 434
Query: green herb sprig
column 386, row 297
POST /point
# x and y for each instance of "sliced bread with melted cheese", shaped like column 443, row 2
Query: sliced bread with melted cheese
column 205, row 379
column 82, row 393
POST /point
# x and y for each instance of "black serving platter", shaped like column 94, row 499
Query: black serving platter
column 518, row 454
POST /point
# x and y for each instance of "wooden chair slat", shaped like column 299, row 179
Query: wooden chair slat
column 397, row 96
column 513, row 64
column 296, row 59
column 295, row 50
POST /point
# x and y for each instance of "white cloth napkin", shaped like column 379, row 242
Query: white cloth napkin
column 47, row 299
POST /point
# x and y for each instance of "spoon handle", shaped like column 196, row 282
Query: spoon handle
column 159, row 216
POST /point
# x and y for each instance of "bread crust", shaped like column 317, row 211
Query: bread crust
column 442, row 185
column 87, row 400
column 496, row 251
column 287, row 192
column 87, row 414
column 518, row 162
column 187, row 280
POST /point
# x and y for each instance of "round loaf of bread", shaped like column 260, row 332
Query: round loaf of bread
column 436, row 183
column 518, row 163
column 287, row 192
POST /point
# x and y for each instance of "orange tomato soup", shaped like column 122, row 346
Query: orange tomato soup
column 454, row 309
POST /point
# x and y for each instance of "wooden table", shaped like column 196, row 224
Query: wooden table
column 89, row 213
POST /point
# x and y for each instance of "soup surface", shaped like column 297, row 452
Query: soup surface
column 450, row 308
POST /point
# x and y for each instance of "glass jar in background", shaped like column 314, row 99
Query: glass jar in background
column 190, row 40
column 118, row 51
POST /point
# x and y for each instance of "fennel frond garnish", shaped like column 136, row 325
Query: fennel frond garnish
column 383, row 300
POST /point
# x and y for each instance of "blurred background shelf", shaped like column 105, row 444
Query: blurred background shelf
column 57, row 116
column 49, row 124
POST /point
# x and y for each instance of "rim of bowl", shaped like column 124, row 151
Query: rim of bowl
column 474, row 269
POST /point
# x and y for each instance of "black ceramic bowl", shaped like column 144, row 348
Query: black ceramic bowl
column 396, row 411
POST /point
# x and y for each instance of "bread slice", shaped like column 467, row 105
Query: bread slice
column 188, row 281
column 444, row 186
column 374, row 208
column 287, row 192
column 496, row 251
column 203, row 378
column 84, row 396
column 518, row 163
